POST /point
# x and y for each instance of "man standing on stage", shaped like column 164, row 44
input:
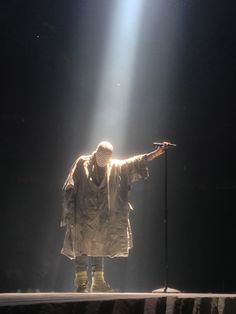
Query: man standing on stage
column 96, row 211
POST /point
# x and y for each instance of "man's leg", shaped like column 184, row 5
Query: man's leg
column 81, row 274
column 98, row 282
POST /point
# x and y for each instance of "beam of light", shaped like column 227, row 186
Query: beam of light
column 115, row 87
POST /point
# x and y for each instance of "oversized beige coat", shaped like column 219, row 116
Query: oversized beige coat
column 97, row 217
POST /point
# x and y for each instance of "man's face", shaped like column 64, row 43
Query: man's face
column 103, row 157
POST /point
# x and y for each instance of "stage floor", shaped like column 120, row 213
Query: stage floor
column 119, row 303
column 53, row 297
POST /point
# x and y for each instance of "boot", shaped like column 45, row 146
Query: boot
column 99, row 284
column 81, row 282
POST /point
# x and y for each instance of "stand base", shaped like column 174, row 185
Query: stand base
column 166, row 290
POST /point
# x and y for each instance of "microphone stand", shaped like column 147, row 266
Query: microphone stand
column 166, row 288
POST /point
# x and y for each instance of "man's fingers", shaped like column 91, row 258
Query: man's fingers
column 166, row 144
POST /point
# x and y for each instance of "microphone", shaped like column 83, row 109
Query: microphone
column 167, row 144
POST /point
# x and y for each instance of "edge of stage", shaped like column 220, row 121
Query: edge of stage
column 67, row 302
column 60, row 297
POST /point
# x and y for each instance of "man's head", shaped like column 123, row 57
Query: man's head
column 103, row 153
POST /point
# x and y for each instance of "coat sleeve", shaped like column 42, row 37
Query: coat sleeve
column 135, row 168
column 69, row 195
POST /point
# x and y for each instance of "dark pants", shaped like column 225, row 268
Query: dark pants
column 82, row 263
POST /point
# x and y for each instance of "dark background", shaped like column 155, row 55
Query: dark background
column 50, row 57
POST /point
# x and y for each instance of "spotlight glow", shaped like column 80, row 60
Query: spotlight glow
column 113, row 94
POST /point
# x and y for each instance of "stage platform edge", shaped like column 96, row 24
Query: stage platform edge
column 118, row 303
